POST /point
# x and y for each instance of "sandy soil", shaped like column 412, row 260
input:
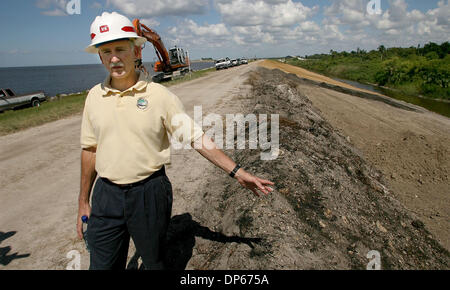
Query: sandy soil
column 212, row 217
column 40, row 169
column 330, row 209
column 309, row 75
column 412, row 149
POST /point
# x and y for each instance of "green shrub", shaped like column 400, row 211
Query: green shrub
column 418, row 70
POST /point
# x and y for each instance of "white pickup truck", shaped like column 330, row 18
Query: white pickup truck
column 223, row 63
column 9, row 100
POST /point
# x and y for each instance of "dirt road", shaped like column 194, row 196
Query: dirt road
column 39, row 174
column 309, row 74
column 40, row 181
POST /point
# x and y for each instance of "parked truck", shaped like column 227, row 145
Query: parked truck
column 223, row 63
column 9, row 100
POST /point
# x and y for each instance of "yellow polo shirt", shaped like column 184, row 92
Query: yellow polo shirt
column 130, row 129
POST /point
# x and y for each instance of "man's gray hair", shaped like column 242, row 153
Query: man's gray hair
column 132, row 44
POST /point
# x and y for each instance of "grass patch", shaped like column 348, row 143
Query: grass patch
column 14, row 121
column 189, row 77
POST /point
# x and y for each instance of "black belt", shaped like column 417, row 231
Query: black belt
column 160, row 172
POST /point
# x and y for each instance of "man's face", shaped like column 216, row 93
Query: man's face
column 118, row 57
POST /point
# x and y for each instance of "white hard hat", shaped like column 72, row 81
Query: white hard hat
column 110, row 27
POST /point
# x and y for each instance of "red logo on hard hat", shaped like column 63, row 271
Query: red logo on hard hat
column 128, row 29
column 92, row 35
column 104, row 28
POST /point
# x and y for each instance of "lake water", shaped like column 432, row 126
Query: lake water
column 440, row 107
column 63, row 79
column 68, row 79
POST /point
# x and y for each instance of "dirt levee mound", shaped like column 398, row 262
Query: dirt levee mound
column 330, row 207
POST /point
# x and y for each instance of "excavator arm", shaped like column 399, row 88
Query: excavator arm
column 163, row 55
column 171, row 63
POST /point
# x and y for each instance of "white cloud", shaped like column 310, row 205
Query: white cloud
column 46, row 4
column 149, row 22
column 343, row 12
column 287, row 27
column 55, row 12
column 208, row 30
column 246, row 35
column 96, row 5
column 263, row 12
column 190, row 34
column 53, row 7
column 14, row 52
column 348, row 25
column 309, row 26
column 400, row 26
column 398, row 17
column 146, row 8
column 441, row 14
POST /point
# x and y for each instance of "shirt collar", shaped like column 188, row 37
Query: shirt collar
column 140, row 85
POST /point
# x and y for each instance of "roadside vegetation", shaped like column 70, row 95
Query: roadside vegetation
column 13, row 121
column 415, row 71
column 189, row 77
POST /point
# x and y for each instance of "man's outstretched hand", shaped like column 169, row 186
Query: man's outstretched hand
column 209, row 150
column 253, row 183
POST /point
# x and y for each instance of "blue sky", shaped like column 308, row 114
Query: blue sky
column 41, row 32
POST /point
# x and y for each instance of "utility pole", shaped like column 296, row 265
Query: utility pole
column 188, row 56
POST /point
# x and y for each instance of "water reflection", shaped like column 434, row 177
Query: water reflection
column 440, row 107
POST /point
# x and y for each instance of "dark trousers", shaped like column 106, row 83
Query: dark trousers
column 141, row 211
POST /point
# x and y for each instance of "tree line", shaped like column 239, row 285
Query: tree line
column 414, row 70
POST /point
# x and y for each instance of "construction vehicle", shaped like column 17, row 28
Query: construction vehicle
column 171, row 64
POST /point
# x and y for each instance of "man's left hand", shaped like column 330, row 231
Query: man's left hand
column 253, row 183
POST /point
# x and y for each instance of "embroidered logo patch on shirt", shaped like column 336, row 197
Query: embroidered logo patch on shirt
column 142, row 104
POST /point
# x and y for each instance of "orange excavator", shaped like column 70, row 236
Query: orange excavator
column 172, row 63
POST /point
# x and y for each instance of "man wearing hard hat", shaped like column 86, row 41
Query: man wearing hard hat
column 125, row 141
